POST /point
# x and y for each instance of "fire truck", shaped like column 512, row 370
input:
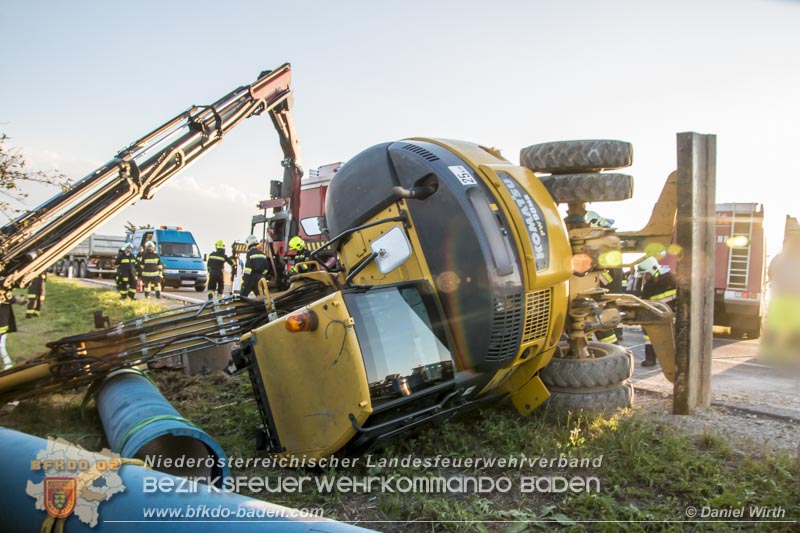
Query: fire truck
column 740, row 268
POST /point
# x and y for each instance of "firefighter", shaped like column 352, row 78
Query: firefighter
column 151, row 270
column 35, row 296
column 301, row 255
column 139, row 255
column 594, row 219
column 236, row 282
column 610, row 279
column 659, row 286
column 8, row 324
column 256, row 266
column 126, row 272
column 216, row 265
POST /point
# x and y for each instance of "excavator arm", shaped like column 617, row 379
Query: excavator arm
column 35, row 240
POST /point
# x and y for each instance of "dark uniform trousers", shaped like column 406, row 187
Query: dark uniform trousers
column 216, row 278
column 126, row 275
column 35, row 296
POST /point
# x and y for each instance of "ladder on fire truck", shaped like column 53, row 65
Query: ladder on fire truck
column 739, row 259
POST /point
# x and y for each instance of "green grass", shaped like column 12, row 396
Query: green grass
column 68, row 310
column 649, row 474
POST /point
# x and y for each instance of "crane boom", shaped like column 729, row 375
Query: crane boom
column 37, row 239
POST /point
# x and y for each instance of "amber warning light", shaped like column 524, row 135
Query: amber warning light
column 305, row 320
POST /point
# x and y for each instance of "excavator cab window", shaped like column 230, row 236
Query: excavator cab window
column 402, row 338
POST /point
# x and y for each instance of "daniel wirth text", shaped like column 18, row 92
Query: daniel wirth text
column 753, row 511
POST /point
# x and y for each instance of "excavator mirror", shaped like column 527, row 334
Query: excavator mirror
column 391, row 250
column 314, row 226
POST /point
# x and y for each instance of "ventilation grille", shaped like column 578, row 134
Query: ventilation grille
column 506, row 327
column 420, row 151
column 537, row 315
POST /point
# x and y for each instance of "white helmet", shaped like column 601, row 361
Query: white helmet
column 649, row 266
column 150, row 245
column 594, row 219
column 251, row 240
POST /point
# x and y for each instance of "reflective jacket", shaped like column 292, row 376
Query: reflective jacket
column 7, row 322
column 126, row 265
column 661, row 289
column 151, row 265
column 256, row 264
column 300, row 257
column 217, row 259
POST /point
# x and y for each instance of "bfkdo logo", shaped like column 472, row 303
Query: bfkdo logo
column 60, row 495
column 74, row 482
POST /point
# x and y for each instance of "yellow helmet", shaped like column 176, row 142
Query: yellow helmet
column 219, row 244
column 296, row 243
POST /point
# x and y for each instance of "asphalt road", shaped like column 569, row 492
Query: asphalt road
column 186, row 294
column 739, row 378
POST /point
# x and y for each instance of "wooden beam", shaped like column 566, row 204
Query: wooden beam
column 694, row 310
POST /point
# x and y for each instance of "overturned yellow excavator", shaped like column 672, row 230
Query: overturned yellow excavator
column 454, row 287
column 450, row 281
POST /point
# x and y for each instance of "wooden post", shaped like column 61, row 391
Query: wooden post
column 694, row 311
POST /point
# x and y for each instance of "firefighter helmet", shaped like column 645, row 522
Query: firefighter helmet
column 150, row 245
column 128, row 246
column 594, row 219
column 297, row 243
column 649, row 266
column 251, row 240
column 219, row 245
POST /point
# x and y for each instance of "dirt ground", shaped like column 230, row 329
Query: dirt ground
column 749, row 431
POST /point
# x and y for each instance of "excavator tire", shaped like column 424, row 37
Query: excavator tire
column 610, row 366
column 577, row 157
column 608, row 399
column 595, row 187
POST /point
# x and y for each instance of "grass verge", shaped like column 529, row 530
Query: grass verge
column 68, row 310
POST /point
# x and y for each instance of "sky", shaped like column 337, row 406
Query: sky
column 83, row 79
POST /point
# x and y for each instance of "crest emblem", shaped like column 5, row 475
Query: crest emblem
column 60, row 495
